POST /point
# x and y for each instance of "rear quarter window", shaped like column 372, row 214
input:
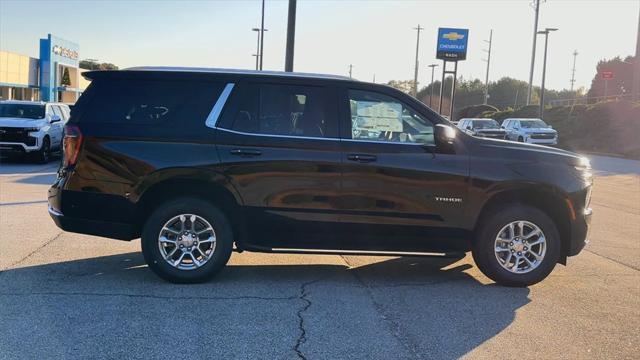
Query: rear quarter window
column 146, row 102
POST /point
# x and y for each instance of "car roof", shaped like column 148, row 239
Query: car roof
column 477, row 119
column 217, row 71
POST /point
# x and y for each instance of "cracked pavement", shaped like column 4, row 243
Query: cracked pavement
column 66, row 295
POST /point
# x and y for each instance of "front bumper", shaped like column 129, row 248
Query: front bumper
column 580, row 232
column 553, row 141
column 12, row 147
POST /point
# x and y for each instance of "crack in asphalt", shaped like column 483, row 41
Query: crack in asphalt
column 393, row 325
column 156, row 297
column 614, row 260
column 302, row 338
column 11, row 266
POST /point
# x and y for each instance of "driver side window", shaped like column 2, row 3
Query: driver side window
column 378, row 117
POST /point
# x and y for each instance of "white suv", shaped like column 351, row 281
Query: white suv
column 533, row 131
column 32, row 128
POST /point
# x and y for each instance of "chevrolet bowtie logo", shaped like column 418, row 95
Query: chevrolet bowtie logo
column 453, row 36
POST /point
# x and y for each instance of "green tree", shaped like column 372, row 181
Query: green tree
column 622, row 77
column 89, row 64
column 66, row 80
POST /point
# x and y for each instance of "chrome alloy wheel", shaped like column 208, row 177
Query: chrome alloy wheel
column 520, row 247
column 187, row 241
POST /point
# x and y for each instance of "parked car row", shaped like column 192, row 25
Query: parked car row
column 532, row 131
column 32, row 128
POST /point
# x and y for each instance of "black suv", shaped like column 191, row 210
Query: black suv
column 202, row 162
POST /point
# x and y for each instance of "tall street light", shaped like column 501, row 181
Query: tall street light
column 262, row 30
column 544, row 32
column 433, row 68
column 533, row 50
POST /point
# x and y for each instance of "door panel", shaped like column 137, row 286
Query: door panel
column 404, row 195
column 289, row 186
column 281, row 153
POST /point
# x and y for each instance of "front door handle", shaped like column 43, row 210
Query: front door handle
column 362, row 158
column 246, row 152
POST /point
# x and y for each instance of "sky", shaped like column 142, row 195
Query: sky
column 377, row 37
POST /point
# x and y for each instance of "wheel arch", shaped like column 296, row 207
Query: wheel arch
column 213, row 191
column 548, row 200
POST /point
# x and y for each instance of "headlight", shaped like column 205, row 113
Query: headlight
column 584, row 167
column 31, row 131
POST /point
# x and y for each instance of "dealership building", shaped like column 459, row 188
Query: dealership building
column 55, row 76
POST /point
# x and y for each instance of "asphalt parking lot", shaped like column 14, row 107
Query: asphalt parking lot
column 66, row 295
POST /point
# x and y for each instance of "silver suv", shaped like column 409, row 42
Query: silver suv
column 533, row 131
column 32, row 128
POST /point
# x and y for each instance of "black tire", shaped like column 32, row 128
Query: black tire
column 520, row 139
column 484, row 244
column 43, row 156
column 186, row 205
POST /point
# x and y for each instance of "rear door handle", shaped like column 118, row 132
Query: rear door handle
column 246, row 152
column 363, row 158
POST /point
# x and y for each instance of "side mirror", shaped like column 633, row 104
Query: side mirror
column 55, row 118
column 516, row 128
column 469, row 128
column 444, row 134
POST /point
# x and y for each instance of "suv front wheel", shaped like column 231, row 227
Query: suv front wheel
column 517, row 246
column 187, row 240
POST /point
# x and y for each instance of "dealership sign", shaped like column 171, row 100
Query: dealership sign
column 64, row 52
column 452, row 44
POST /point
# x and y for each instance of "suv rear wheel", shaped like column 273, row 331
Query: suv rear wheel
column 517, row 246
column 187, row 240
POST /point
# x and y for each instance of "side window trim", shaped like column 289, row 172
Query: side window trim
column 214, row 115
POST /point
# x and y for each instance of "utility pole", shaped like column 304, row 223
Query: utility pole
column 544, row 32
column 257, row 54
column 262, row 36
column 573, row 71
column 350, row 69
column 533, row 51
column 486, row 79
column 374, row 78
column 291, row 36
column 636, row 67
column 415, row 74
column 433, row 68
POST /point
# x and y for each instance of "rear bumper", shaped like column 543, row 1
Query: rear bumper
column 92, row 213
column 119, row 231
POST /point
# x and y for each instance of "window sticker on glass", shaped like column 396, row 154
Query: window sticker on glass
column 374, row 116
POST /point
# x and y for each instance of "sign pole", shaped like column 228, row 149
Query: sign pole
column 444, row 73
column 453, row 89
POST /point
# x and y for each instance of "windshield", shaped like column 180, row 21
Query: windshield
column 24, row 111
column 536, row 123
column 485, row 124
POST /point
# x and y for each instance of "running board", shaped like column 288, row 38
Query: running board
column 254, row 248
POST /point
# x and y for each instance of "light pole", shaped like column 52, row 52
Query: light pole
column 486, row 79
column 262, row 30
column 544, row 32
column 350, row 70
column 415, row 74
column 433, row 68
column 291, row 36
column 533, row 50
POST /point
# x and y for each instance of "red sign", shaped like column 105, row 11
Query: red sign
column 607, row 75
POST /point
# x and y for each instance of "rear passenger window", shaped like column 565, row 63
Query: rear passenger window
column 149, row 102
column 283, row 110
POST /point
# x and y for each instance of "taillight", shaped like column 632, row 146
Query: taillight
column 71, row 143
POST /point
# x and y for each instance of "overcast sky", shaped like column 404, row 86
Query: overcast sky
column 375, row 36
